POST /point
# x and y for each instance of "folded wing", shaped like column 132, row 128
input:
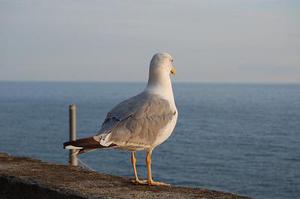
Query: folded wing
column 136, row 121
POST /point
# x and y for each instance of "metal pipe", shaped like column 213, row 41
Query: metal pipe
column 73, row 161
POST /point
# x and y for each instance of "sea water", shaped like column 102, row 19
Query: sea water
column 240, row 138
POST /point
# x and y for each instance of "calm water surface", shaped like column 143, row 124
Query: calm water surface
column 237, row 138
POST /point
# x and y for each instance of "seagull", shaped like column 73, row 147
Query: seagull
column 141, row 122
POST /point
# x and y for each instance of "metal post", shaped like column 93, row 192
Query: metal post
column 73, row 161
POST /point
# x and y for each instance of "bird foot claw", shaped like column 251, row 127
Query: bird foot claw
column 150, row 183
column 154, row 183
column 139, row 182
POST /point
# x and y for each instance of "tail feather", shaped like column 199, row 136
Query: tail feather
column 85, row 144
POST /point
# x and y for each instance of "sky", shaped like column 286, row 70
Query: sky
column 244, row 41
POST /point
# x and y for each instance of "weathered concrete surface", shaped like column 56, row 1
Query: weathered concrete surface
column 27, row 178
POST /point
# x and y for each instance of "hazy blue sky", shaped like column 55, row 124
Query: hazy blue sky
column 210, row 40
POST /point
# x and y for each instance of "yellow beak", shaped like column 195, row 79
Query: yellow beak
column 173, row 70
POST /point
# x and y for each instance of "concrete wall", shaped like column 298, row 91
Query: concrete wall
column 27, row 178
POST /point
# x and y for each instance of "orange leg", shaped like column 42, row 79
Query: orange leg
column 150, row 180
column 133, row 162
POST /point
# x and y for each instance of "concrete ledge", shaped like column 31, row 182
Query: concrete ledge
column 27, row 178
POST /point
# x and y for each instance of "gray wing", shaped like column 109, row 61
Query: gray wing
column 138, row 120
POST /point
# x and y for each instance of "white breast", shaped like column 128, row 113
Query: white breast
column 165, row 91
column 165, row 133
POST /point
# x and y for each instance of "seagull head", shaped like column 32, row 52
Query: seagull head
column 160, row 70
column 162, row 63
